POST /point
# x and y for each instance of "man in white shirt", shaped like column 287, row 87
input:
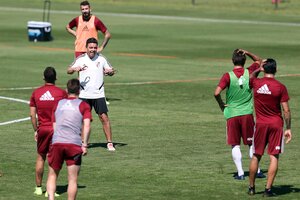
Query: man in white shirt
column 92, row 67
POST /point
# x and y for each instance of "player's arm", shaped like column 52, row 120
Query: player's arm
column 107, row 37
column 218, row 98
column 33, row 121
column 70, row 26
column 254, row 57
column 72, row 69
column 287, row 119
column 86, row 134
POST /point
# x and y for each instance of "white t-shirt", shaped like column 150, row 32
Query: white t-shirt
column 91, row 75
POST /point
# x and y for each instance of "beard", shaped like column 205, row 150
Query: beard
column 86, row 16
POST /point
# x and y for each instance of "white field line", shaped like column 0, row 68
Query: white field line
column 16, row 120
column 144, row 83
column 158, row 17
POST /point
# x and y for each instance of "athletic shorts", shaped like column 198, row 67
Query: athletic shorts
column 60, row 152
column 44, row 137
column 240, row 127
column 268, row 134
column 99, row 105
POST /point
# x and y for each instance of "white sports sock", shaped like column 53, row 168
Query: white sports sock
column 251, row 154
column 237, row 159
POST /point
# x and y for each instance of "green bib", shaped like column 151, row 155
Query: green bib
column 238, row 96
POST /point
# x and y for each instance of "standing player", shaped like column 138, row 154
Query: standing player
column 87, row 26
column 269, row 97
column 92, row 67
column 71, row 119
column 42, row 102
column 238, row 109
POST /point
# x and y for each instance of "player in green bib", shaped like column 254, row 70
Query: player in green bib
column 238, row 108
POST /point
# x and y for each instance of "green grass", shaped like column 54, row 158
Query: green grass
column 170, row 133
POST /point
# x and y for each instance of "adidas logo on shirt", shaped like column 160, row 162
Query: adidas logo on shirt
column 85, row 28
column 264, row 90
column 47, row 97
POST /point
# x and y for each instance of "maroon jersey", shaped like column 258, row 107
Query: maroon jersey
column 268, row 96
column 44, row 99
column 98, row 24
column 225, row 80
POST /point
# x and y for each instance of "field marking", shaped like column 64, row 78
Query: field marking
column 161, row 17
column 16, row 120
column 143, row 83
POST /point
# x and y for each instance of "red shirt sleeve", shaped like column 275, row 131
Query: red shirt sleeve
column 99, row 25
column 253, row 67
column 85, row 110
column 32, row 101
column 224, row 81
column 285, row 96
column 73, row 23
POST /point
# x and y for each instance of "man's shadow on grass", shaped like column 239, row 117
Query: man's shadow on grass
column 103, row 145
column 277, row 189
column 60, row 189
column 282, row 190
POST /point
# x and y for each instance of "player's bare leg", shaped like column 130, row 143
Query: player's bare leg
column 73, row 172
column 272, row 171
column 51, row 182
column 107, row 130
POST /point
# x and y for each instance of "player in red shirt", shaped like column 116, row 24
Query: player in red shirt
column 269, row 97
column 87, row 26
column 42, row 101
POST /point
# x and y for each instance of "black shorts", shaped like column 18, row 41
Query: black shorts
column 99, row 105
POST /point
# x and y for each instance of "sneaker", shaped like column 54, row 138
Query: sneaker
column 260, row 175
column 38, row 191
column 55, row 194
column 110, row 146
column 268, row 193
column 251, row 190
column 241, row 177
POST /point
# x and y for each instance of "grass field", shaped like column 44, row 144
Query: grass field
column 168, row 129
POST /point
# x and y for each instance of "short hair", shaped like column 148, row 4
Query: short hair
column 238, row 57
column 73, row 86
column 270, row 66
column 85, row 3
column 50, row 75
column 91, row 40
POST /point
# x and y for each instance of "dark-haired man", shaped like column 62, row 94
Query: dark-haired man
column 71, row 122
column 238, row 109
column 270, row 96
column 42, row 101
column 87, row 26
column 92, row 67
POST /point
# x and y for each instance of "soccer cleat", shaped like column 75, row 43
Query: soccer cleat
column 241, row 177
column 260, row 175
column 268, row 193
column 110, row 146
column 55, row 194
column 251, row 190
column 38, row 191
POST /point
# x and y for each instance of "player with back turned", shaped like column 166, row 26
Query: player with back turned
column 238, row 109
column 270, row 97
column 42, row 101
